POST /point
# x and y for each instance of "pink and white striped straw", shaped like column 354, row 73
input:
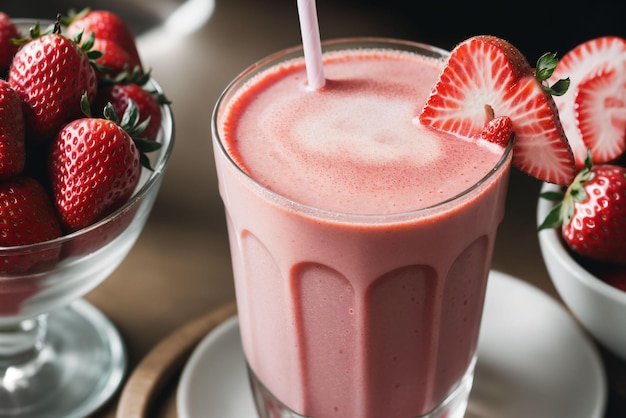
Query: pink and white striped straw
column 311, row 43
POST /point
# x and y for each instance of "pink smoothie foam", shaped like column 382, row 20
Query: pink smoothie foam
column 365, row 308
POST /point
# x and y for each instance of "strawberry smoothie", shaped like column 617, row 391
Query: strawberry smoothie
column 361, row 241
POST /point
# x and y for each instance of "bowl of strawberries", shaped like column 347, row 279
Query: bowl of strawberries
column 588, row 271
column 582, row 224
column 85, row 136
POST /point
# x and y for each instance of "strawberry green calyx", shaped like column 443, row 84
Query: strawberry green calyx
column 112, row 37
column 546, row 64
column 562, row 212
column 35, row 32
column 136, row 76
column 73, row 15
column 87, row 47
column 130, row 123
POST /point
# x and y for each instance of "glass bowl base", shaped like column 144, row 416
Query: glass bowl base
column 80, row 366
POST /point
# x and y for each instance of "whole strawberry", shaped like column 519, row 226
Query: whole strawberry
column 148, row 104
column 592, row 213
column 50, row 73
column 12, row 146
column 27, row 216
column 94, row 166
column 8, row 32
column 106, row 25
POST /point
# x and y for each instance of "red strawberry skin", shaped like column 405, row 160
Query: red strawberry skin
column 27, row 216
column 93, row 168
column 50, row 74
column 485, row 72
column 108, row 26
column 597, row 229
column 12, row 145
column 616, row 278
column 119, row 95
column 114, row 58
column 8, row 31
column 498, row 130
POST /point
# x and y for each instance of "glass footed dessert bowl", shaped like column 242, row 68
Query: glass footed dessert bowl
column 598, row 306
column 59, row 355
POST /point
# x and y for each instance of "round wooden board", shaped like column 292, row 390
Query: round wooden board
column 165, row 362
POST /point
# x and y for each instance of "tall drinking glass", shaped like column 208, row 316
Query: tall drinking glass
column 361, row 241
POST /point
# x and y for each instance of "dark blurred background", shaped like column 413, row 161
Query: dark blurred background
column 534, row 27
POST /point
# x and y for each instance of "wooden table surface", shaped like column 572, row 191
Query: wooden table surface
column 179, row 270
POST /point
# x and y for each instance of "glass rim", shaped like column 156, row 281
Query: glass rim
column 296, row 52
column 165, row 152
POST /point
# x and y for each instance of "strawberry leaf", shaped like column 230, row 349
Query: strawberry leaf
column 130, row 116
column 135, row 76
column 130, row 124
column 85, row 107
column 88, row 44
column 563, row 211
column 578, row 193
column 34, row 32
column 110, row 114
column 145, row 161
column 145, row 145
column 552, row 196
column 546, row 64
column 73, row 15
column 566, row 210
column 553, row 220
column 559, row 88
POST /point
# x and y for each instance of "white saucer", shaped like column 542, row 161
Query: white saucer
column 533, row 361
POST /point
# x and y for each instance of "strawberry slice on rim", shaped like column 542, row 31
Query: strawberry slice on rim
column 486, row 77
column 593, row 112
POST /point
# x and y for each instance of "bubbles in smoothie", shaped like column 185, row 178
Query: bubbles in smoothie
column 374, row 132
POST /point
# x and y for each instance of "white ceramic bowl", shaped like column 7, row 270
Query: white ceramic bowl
column 599, row 307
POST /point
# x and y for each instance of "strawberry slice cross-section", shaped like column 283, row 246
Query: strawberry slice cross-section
column 486, row 77
column 593, row 112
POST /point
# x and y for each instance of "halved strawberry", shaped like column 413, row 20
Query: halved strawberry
column 601, row 114
column 487, row 77
column 594, row 110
